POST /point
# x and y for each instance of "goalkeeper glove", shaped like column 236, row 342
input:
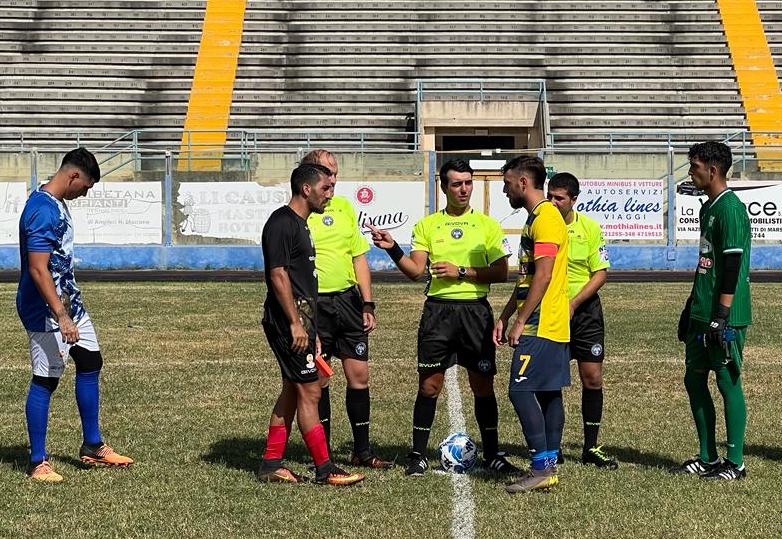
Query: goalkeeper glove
column 719, row 320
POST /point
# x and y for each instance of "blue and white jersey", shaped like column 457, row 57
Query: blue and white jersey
column 46, row 227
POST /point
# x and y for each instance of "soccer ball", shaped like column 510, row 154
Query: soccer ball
column 458, row 453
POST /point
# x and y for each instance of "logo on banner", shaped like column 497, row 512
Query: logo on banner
column 365, row 195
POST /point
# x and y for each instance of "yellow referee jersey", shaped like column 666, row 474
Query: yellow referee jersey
column 337, row 240
column 471, row 240
column 587, row 252
column 551, row 318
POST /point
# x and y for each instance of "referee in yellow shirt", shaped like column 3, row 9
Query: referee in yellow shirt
column 465, row 251
column 587, row 272
column 346, row 313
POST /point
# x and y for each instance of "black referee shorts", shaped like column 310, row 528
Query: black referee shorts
column 456, row 332
column 294, row 366
column 341, row 325
column 587, row 332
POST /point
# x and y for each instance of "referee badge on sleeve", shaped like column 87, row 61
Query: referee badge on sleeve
column 506, row 247
column 603, row 250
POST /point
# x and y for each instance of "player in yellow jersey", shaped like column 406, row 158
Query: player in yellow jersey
column 346, row 313
column 541, row 332
column 465, row 251
column 587, row 272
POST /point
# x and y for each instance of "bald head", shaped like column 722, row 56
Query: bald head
column 324, row 158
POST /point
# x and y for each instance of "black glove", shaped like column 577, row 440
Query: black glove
column 716, row 333
column 684, row 321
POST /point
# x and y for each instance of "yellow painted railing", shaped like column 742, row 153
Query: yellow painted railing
column 209, row 107
column 757, row 78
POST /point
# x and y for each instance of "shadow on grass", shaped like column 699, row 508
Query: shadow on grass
column 396, row 453
column 630, row 455
column 17, row 457
column 763, row 451
column 245, row 453
column 14, row 456
column 647, row 459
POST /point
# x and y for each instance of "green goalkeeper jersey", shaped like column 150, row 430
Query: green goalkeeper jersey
column 725, row 229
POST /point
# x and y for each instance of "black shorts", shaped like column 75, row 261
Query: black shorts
column 587, row 332
column 456, row 332
column 341, row 325
column 294, row 366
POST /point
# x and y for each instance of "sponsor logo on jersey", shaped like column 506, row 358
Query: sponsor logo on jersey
column 457, row 233
column 328, row 220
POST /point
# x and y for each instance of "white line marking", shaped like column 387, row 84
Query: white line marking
column 463, row 522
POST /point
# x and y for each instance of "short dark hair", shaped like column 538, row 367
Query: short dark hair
column 566, row 181
column 713, row 153
column 457, row 165
column 307, row 173
column 532, row 166
column 82, row 159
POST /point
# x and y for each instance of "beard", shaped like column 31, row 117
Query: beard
column 516, row 202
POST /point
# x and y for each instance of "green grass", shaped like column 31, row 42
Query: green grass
column 189, row 382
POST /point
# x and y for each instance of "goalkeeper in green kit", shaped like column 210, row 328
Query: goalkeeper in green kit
column 714, row 322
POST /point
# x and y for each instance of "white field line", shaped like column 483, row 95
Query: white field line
column 463, row 520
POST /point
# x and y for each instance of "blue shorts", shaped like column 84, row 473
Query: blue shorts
column 539, row 365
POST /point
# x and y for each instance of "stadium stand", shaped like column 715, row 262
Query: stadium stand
column 337, row 66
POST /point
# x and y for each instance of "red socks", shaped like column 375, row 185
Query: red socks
column 275, row 442
column 315, row 440
column 316, row 443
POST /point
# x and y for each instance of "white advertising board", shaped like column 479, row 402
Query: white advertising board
column 13, row 196
column 119, row 213
column 764, row 206
column 625, row 209
column 239, row 210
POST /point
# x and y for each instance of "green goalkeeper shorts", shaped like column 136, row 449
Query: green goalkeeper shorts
column 711, row 356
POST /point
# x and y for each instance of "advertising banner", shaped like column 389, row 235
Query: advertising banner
column 13, row 196
column 119, row 213
column 239, row 210
column 764, row 206
column 625, row 209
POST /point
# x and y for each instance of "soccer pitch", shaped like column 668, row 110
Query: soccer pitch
column 189, row 382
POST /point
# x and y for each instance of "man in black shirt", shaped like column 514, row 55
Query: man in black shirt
column 289, row 322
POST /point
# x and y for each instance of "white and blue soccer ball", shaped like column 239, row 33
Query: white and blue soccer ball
column 458, row 453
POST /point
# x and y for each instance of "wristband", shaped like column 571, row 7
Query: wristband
column 721, row 311
column 395, row 252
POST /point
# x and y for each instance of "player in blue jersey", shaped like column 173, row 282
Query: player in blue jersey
column 50, row 306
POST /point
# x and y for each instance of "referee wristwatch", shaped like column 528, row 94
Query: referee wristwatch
column 461, row 273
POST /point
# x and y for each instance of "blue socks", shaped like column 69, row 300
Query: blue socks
column 88, row 401
column 37, row 412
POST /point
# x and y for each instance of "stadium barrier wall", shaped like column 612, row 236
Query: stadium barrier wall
column 158, row 218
